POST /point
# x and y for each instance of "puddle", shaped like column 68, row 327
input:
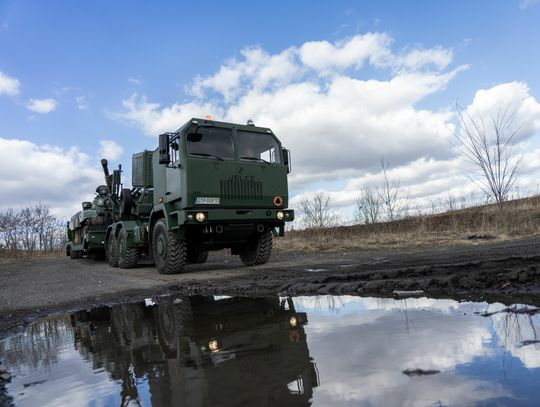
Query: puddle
column 326, row 350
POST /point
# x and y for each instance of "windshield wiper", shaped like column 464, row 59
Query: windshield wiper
column 208, row 155
column 255, row 159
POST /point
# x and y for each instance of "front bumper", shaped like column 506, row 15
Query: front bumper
column 232, row 216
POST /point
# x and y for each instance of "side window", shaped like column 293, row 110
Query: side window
column 175, row 151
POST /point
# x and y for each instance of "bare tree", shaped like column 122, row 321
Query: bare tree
column 317, row 211
column 31, row 228
column 492, row 150
column 391, row 194
column 368, row 205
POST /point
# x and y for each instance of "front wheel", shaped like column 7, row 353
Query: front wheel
column 170, row 254
column 196, row 256
column 128, row 257
column 112, row 251
column 258, row 249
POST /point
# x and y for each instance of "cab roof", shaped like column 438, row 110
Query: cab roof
column 226, row 125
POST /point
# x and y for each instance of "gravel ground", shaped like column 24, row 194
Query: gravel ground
column 502, row 271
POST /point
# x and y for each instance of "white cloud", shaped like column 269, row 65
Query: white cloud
column 42, row 106
column 154, row 119
column 31, row 173
column 319, row 100
column 110, row 149
column 82, row 103
column 135, row 81
column 324, row 56
column 515, row 99
column 8, row 85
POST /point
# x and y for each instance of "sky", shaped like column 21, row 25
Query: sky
column 341, row 83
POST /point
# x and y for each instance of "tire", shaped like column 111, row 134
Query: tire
column 72, row 253
column 258, row 250
column 112, row 251
column 196, row 256
column 128, row 257
column 170, row 254
column 126, row 202
column 80, row 254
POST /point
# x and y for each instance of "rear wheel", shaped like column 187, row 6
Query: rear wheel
column 257, row 250
column 72, row 253
column 128, row 257
column 112, row 251
column 170, row 254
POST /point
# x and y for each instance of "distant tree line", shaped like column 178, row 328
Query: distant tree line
column 31, row 228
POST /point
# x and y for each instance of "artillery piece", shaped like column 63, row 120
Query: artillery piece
column 86, row 229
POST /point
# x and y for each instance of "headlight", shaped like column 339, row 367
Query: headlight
column 293, row 321
column 280, row 215
column 200, row 216
column 213, row 345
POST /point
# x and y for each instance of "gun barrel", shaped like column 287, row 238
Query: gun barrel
column 105, row 165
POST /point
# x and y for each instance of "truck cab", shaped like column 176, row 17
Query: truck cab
column 209, row 185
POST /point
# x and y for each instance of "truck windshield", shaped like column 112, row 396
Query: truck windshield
column 258, row 146
column 211, row 142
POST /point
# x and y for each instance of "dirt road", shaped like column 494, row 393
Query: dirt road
column 502, row 271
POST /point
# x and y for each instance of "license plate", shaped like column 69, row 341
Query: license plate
column 205, row 200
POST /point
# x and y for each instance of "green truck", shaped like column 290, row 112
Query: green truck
column 87, row 228
column 209, row 185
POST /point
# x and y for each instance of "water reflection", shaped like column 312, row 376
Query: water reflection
column 192, row 351
column 242, row 351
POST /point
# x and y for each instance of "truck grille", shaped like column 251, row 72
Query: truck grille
column 239, row 187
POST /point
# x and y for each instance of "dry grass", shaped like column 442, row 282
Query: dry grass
column 518, row 218
column 8, row 256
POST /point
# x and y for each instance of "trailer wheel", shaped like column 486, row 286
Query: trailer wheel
column 258, row 250
column 170, row 254
column 72, row 253
column 196, row 256
column 128, row 257
column 112, row 251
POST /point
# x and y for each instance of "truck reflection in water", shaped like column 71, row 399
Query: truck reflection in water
column 202, row 351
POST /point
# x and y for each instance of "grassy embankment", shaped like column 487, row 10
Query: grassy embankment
column 519, row 218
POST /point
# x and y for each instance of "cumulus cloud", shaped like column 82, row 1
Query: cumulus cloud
column 42, row 106
column 57, row 177
column 8, row 85
column 110, row 149
column 319, row 99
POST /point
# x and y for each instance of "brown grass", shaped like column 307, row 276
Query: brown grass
column 8, row 256
column 517, row 218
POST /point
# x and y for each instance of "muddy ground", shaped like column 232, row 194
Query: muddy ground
column 507, row 272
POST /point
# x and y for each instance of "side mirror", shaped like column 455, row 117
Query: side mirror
column 287, row 159
column 164, row 156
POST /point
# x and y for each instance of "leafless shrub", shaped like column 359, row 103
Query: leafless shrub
column 368, row 206
column 317, row 212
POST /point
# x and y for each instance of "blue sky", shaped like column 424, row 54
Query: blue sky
column 88, row 58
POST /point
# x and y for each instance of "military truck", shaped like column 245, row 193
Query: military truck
column 209, row 185
column 87, row 228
